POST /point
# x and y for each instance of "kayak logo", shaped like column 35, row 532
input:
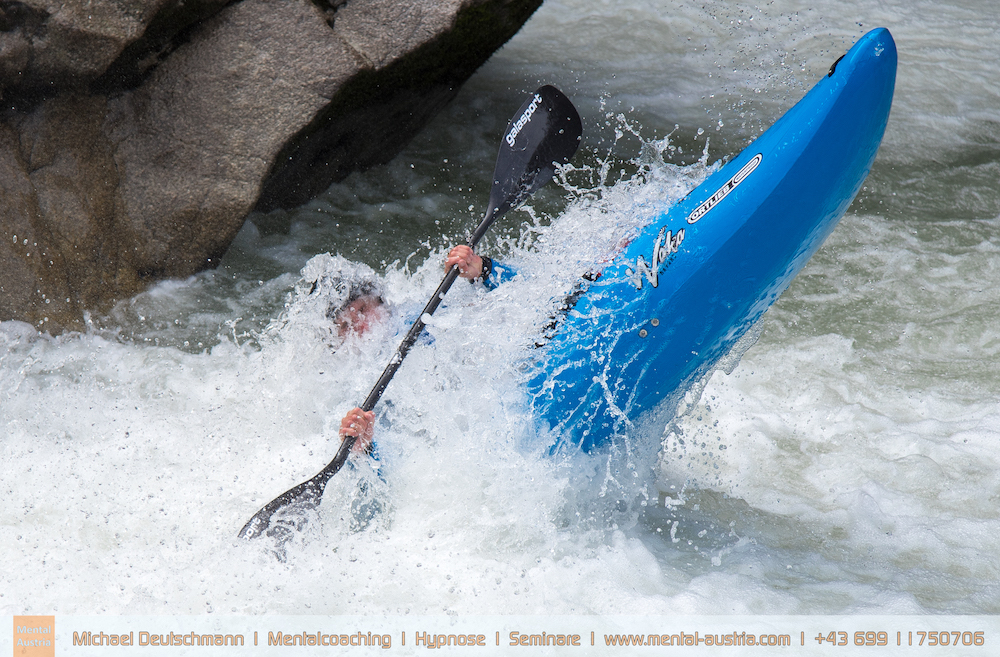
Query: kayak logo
column 666, row 244
column 515, row 129
column 723, row 191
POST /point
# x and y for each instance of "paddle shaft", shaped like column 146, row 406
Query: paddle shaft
column 418, row 326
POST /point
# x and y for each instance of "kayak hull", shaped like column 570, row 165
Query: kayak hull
column 682, row 293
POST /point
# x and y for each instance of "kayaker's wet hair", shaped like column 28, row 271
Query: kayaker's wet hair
column 355, row 290
column 330, row 283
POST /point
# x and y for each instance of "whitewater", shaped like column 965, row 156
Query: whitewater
column 843, row 461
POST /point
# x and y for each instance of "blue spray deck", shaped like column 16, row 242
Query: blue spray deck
column 692, row 283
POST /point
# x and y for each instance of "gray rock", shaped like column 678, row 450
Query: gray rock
column 48, row 47
column 151, row 130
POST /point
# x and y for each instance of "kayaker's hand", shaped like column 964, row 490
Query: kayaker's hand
column 469, row 264
column 360, row 424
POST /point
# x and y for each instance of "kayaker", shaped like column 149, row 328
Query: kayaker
column 365, row 307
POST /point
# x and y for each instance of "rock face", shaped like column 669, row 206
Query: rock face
column 136, row 136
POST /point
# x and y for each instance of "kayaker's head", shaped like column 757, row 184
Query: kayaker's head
column 350, row 294
column 363, row 309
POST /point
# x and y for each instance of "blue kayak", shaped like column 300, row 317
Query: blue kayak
column 677, row 299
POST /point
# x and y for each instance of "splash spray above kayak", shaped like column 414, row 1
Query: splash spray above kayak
column 693, row 282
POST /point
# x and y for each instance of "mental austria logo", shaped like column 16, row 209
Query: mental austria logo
column 723, row 191
column 34, row 636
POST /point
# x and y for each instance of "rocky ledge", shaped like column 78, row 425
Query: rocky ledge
column 137, row 135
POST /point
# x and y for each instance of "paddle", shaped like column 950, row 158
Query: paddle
column 545, row 132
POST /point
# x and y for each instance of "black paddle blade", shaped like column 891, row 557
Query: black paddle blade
column 291, row 509
column 304, row 497
column 543, row 134
column 285, row 517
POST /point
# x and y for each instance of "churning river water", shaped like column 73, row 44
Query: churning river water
column 847, row 464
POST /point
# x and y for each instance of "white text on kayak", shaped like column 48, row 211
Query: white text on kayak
column 723, row 191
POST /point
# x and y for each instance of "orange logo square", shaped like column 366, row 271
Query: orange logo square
column 34, row 636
